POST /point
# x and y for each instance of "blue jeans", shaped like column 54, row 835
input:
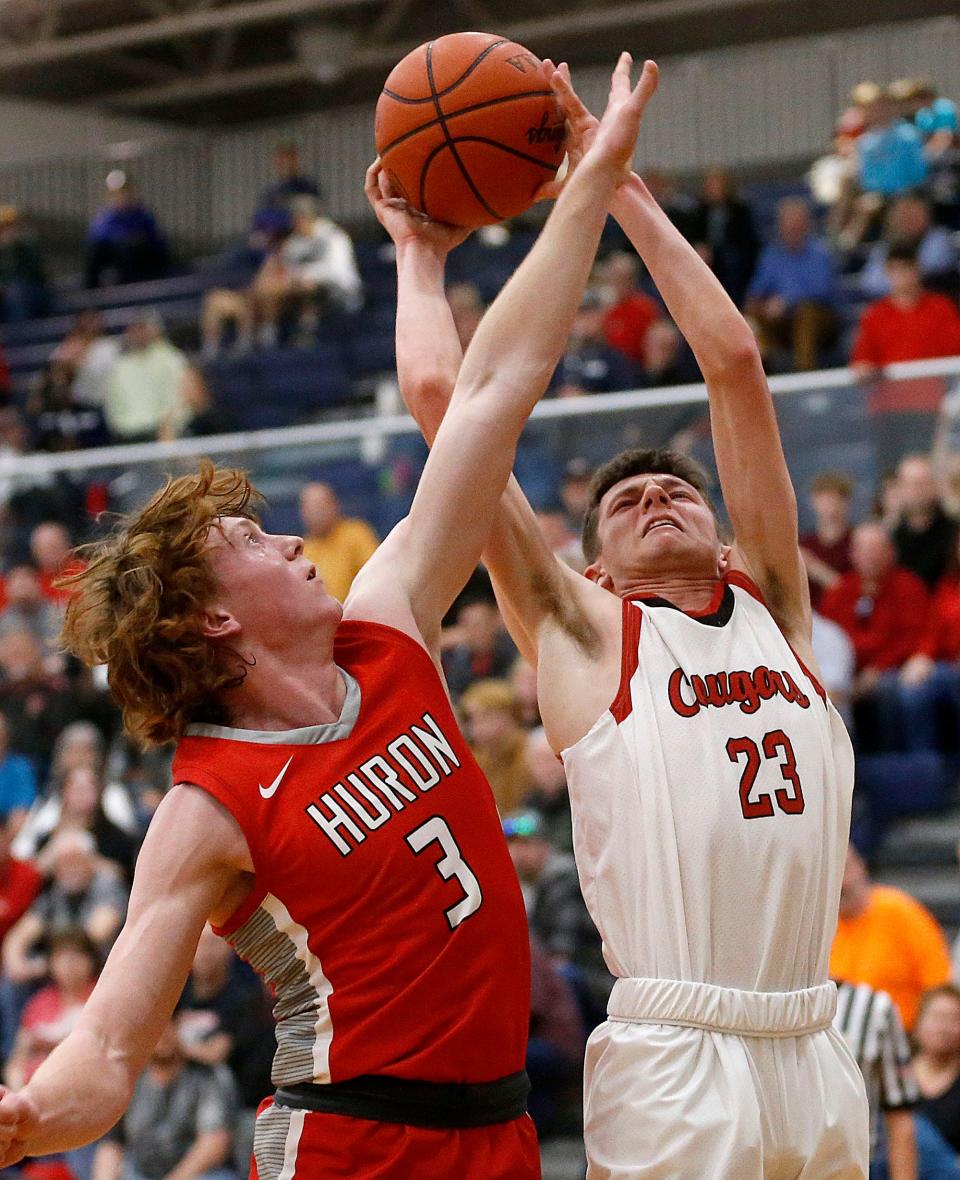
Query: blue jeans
column 935, row 1158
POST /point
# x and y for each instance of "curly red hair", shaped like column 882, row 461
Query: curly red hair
column 137, row 606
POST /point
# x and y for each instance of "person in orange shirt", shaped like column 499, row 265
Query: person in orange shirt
column 888, row 940
column 337, row 545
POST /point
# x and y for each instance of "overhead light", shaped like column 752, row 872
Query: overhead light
column 325, row 50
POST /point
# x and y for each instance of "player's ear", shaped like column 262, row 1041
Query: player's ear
column 723, row 560
column 219, row 624
column 596, row 573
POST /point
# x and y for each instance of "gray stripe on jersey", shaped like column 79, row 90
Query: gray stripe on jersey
column 271, row 1140
column 274, row 956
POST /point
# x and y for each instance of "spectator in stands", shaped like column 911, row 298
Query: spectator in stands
column 23, row 281
column 34, row 695
column 890, row 151
column 871, row 1026
column 880, row 605
column 51, row 550
column 92, row 354
column 833, row 179
column 925, row 537
column 54, row 1010
column 81, row 810
column 590, row 365
column 290, row 183
column 144, row 391
column 574, row 492
column 793, row 295
column 549, row 796
column 313, row 272
column 498, row 740
column 887, row 939
column 124, row 242
column 18, row 785
column 826, row 549
column 478, row 646
column 28, row 609
column 179, row 1122
column 556, row 1042
column 908, row 224
column 58, row 421
column 629, row 314
column 20, row 882
column 934, row 116
column 837, row 662
column 723, row 230
column 909, row 324
column 555, row 908
column 337, row 545
column 228, row 302
column 81, row 892
column 81, row 744
column 215, row 1003
column 936, row 1063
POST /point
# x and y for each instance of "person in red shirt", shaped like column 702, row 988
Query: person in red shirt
column 928, row 688
column 631, row 314
column 826, row 548
column 909, row 324
column 881, row 606
column 20, row 882
column 50, row 550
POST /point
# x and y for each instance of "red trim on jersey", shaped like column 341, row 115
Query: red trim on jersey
column 712, row 606
column 738, row 578
column 745, row 582
column 250, row 903
column 809, row 675
column 629, row 660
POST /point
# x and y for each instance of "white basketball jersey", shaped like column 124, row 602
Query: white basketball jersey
column 711, row 803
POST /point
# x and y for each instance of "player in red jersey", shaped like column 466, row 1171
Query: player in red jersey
column 327, row 816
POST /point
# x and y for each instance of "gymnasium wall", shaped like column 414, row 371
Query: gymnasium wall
column 749, row 106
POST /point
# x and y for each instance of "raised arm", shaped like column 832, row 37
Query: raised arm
column 190, row 860
column 429, row 356
column 506, row 369
column 756, row 485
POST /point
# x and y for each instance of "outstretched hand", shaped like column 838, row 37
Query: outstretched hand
column 18, row 1119
column 614, row 136
column 404, row 223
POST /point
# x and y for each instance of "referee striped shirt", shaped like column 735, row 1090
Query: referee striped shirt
column 870, row 1024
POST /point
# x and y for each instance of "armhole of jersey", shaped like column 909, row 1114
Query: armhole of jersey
column 739, row 578
column 629, row 660
column 820, row 690
column 249, row 905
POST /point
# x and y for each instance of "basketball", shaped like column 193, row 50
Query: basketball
column 468, row 129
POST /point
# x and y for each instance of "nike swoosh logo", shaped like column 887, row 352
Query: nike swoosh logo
column 269, row 792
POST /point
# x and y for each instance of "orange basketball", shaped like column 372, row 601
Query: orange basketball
column 468, row 128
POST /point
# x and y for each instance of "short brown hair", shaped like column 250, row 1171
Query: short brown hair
column 833, row 481
column 637, row 461
column 137, row 606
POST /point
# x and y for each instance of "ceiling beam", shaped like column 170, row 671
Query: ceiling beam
column 385, row 56
column 189, row 24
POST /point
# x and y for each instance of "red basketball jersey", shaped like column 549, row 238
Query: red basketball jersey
column 386, row 915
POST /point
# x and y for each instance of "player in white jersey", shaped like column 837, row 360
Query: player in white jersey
column 710, row 776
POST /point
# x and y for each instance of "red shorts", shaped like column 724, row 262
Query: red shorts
column 304, row 1145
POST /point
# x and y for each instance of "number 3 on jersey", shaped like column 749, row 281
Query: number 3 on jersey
column 451, row 864
column 776, row 746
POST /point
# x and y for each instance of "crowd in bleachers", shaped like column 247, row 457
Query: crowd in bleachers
column 858, row 263
column 297, row 319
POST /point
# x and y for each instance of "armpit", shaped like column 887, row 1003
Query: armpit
column 557, row 603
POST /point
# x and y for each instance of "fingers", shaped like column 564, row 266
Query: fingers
column 649, row 81
column 371, row 181
column 571, row 102
column 620, row 78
